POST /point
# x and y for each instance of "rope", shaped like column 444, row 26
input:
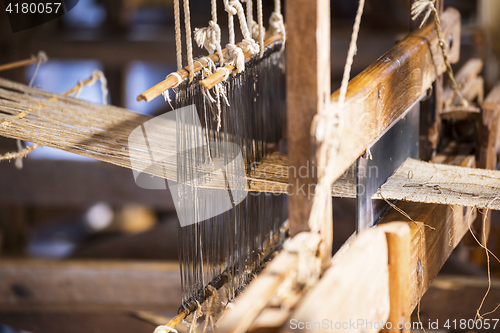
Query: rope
column 416, row 10
column 20, row 154
column 350, row 55
column 178, row 34
column 250, row 21
column 260, row 18
column 96, row 75
column 189, row 43
column 210, row 37
column 42, row 57
column 276, row 22
column 236, row 55
column 323, row 189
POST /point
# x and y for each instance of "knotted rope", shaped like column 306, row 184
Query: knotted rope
column 262, row 30
column 416, row 10
column 210, row 36
column 276, row 22
column 96, row 75
column 236, row 55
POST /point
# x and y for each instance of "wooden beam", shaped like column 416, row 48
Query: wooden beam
column 425, row 182
column 258, row 294
column 431, row 107
column 308, row 88
column 41, row 284
column 490, row 115
column 488, row 150
column 354, row 290
column 398, row 246
column 381, row 93
column 437, row 231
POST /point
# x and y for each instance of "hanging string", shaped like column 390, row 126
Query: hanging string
column 250, row 21
column 189, row 42
column 323, row 189
column 260, row 18
column 21, row 150
column 178, row 34
column 236, row 55
column 416, row 10
column 276, row 22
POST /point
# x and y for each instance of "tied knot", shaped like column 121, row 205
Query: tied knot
column 256, row 32
column 249, row 45
column 208, row 37
column 276, row 23
column 236, row 57
column 230, row 7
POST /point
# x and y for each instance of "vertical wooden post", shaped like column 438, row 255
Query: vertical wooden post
column 431, row 109
column 398, row 249
column 488, row 149
column 308, row 91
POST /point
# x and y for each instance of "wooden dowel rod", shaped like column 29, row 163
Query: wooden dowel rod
column 172, row 80
column 177, row 319
column 21, row 63
column 217, row 77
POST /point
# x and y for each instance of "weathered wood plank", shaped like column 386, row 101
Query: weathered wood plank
column 308, row 88
column 381, row 93
column 30, row 284
column 398, row 245
column 437, row 231
column 257, row 295
column 354, row 288
column 425, row 182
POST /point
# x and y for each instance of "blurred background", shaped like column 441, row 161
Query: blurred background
column 62, row 207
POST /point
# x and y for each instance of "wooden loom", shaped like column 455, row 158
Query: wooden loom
column 389, row 253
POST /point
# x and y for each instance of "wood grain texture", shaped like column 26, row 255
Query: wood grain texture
column 382, row 92
column 488, row 131
column 30, row 284
column 355, row 287
column 443, row 184
column 308, row 89
column 430, row 248
column 257, row 295
column 488, row 150
column 398, row 245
